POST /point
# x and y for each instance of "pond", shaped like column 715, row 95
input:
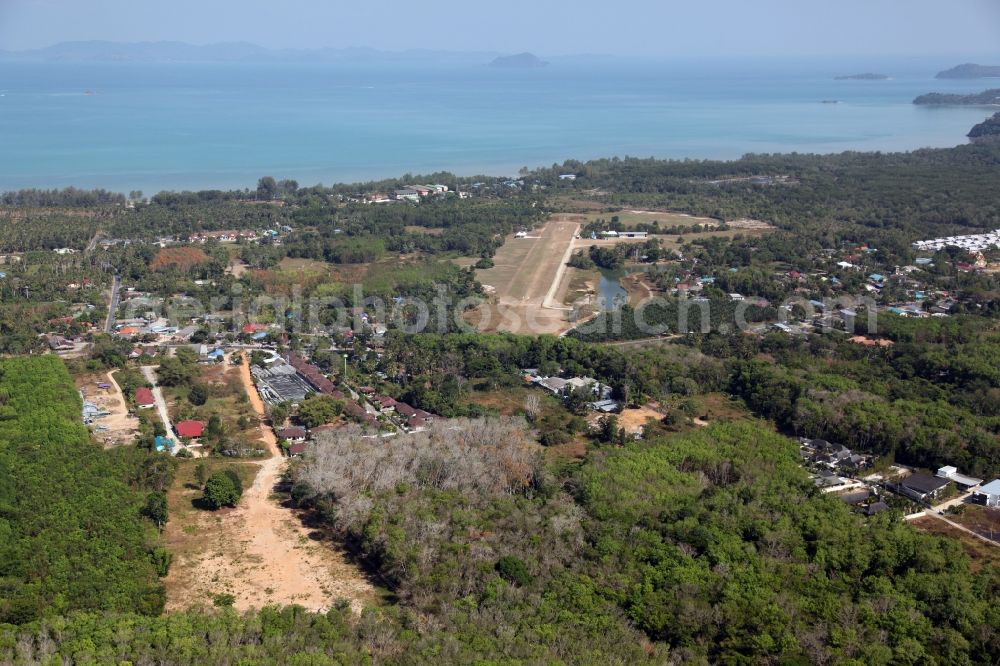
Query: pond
column 611, row 295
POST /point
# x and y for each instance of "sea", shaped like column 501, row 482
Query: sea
column 139, row 126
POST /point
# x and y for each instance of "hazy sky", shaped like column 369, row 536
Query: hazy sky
column 548, row 27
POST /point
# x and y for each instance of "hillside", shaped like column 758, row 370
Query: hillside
column 987, row 97
column 711, row 546
column 988, row 129
column 519, row 61
column 970, row 71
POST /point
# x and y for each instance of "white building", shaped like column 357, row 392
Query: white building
column 973, row 242
column 951, row 473
column 990, row 494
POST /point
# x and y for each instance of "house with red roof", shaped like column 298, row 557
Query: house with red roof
column 292, row 434
column 144, row 398
column 190, row 429
column 385, row 403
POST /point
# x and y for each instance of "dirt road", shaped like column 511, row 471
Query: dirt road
column 236, row 267
column 121, row 427
column 262, row 554
column 963, row 528
column 118, row 427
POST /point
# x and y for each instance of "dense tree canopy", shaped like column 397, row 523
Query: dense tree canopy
column 71, row 535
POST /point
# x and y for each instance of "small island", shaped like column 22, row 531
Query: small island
column 970, row 71
column 986, row 98
column 867, row 76
column 988, row 130
column 519, row 61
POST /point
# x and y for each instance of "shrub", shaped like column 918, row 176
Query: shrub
column 220, row 491
column 198, row 395
column 223, row 600
column 513, row 570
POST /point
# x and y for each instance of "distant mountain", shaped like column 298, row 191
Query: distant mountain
column 970, row 71
column 987, row 130
column 102, row 51
column 990, row 97
column 519, row 61
column 867, row 76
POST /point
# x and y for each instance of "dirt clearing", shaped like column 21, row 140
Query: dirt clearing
column 634, row 419
column 259, row 552
column 118, row 427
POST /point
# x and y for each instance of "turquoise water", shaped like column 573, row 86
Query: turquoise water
column 154, row 127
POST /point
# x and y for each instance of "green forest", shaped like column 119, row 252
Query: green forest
column 72, row 536
column 706, row 547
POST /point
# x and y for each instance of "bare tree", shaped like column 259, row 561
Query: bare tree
column 492, row 456
column 531, row 406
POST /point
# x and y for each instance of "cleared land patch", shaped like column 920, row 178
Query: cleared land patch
column 259, row 552
column 181, row 258
column 666, row 219
column 981, row 553
column 526, row 272
column 119, row 426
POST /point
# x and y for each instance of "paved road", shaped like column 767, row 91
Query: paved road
column 938, row 510
column 149, row 372
column 109, row 325
column 955, row 501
